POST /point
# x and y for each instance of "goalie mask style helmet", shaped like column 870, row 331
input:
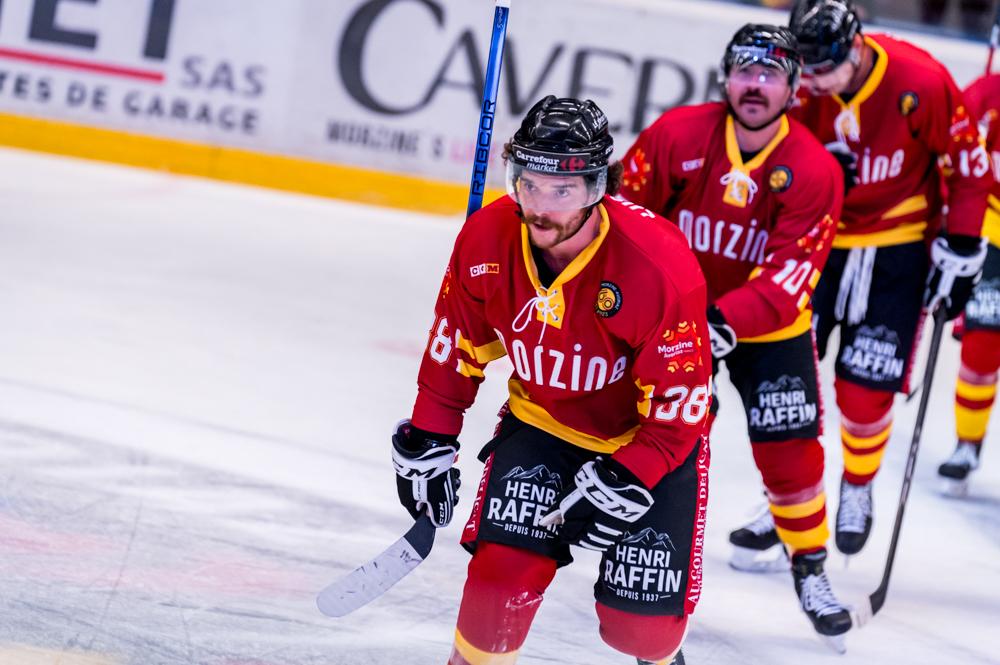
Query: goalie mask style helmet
column 825, row 30
column 562, row 137
column 768, row 45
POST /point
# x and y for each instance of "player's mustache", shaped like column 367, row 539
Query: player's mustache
column 752, row 97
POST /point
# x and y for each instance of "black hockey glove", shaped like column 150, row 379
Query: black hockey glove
column 720, row 334
column 425, row 478
column 956, row 264
column 595, row 513
column 848, row 163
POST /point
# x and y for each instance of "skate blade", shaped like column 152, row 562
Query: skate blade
column 747, row 560
column 955, row 489
column 836, row 642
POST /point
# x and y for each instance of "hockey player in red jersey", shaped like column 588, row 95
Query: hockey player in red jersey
column 600, row 444
column 757, row 197
column 977, row 376
column 892, row 113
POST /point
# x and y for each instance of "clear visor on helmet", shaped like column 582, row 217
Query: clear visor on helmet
column 539, row 191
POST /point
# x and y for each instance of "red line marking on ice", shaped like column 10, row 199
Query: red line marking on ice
column 84, row 65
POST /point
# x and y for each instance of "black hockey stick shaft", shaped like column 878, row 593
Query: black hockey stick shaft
column 877, row 598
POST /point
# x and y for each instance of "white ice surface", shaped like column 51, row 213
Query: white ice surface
column 197, row 382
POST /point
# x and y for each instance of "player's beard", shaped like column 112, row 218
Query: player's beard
column 545, row 233
column 758, row 123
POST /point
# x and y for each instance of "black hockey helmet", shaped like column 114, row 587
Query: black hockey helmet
column 825, row 30
column 562, row 137
column 769, row 45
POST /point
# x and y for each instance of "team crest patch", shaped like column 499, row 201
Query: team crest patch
column 609, row 300
column 908, row 103
column 780, row 179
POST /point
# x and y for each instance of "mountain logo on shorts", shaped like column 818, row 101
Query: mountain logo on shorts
column 784, row 384
column 879, row 332
column 649, row 538
column 538, row 474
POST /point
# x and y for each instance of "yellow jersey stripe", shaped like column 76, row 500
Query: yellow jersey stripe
column 901, row 235
column 533, row 414
column 802, row 324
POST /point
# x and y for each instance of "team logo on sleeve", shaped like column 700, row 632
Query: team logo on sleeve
column 908, row 103
column 682, row 348
column 609, row 300
column 445, row 284
column 780, row 179
column 636, row 171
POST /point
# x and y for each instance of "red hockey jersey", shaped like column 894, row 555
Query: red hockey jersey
column 612, row 356
column 983, row 99
column 761, row 230
column 907, row 116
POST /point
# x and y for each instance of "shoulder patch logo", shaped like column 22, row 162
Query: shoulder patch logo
column 681, row 348
column 609, row 300
column 908, row 103
column 484, row 269
column 780, row 179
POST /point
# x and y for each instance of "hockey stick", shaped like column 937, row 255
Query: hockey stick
column 366, row 583
column 994, row 41
column 487, row 113
column 875, row 601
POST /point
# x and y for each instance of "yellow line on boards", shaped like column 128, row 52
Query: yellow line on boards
column 237, row 165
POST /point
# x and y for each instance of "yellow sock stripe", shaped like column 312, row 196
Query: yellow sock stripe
column 478, row 657
column 805, row 540
column 972, row 391
column 970, row 424
column 797, row 510
column 865, row 441
column 864, row 464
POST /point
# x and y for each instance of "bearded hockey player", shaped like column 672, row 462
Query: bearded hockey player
column 891, row 112
column 600, row 305
column 757, row 198
column 977, row 374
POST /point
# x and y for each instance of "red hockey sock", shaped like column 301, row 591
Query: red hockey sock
column 793, row 475
column 977, row 384
column 502, row 593
column 655, row 638
column 865, row 425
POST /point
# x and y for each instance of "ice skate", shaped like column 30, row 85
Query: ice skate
column 830, row 617
column 854, row 517
column 757, row 548
column 956, row 469
column 678, row 660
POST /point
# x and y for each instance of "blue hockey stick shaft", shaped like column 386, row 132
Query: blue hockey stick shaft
column 487, row 113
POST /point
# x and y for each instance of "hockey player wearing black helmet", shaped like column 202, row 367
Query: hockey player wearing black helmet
column 558, row 165
column 920, row 177
column 566, row 279
column 759, row 76
column 737, row 170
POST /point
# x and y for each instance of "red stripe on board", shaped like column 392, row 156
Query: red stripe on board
column 84, row 65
